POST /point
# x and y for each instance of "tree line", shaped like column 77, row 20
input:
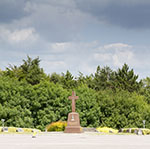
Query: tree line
column 31, row 98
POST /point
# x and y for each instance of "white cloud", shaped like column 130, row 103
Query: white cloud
column 73, row 56
column 54, row 63
column 103, row 56
column 116, row 46
column 56, row 31
column 60, row 47
column 115, row 54
column 53, row 66
column 22, row 35
column 17, row 36
column 121, row 57
column 86, row 68
column 55, row 21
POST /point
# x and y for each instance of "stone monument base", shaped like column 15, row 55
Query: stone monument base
column 73, row 123
column 73, row 129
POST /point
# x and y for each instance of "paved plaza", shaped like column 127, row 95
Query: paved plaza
column 73, row 141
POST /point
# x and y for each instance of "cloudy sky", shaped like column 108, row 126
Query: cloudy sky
column 76, row 35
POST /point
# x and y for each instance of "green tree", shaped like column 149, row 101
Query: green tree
column 122, row 109
column 103, row 78
column 68, row 81
column 88, row 80
column 146, row 82
column 87, row 106
column 30, row 98
column 49, row 104
column 14, row 106
column 145, row 91
column 55, row 78
column 30, row 71
column 126, row 79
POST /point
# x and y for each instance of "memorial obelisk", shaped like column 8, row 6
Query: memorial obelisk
column 73, row 122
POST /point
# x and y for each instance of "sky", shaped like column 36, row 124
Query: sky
column 76, row 35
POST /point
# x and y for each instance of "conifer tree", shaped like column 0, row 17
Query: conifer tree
column 103, row 78
column 30, row 71
column 127, row 80
column 68, row 80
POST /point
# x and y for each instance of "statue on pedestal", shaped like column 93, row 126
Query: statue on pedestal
column 73, row 122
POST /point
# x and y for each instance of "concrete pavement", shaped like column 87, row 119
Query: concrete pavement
column 73, row 141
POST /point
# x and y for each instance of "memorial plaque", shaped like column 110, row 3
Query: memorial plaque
column 73, row 122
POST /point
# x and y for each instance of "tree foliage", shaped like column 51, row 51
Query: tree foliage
column 29, row 71
column 103, row 78
column 31, row 98
column 126, row 79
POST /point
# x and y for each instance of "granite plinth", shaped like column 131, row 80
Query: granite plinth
column 73, row 123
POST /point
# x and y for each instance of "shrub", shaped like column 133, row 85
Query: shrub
column 107, row 130
column 57, row 126
column 146, row 131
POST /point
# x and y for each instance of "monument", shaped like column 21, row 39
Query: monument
column 73, row 122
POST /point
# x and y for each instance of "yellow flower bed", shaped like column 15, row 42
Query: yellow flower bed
column 146, row 131
column 11, row 129
column 25, row 130
column 107, row 130
column 31, row 130
column 57, row 126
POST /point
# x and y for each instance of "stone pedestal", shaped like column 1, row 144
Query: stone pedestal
column 73, row 123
